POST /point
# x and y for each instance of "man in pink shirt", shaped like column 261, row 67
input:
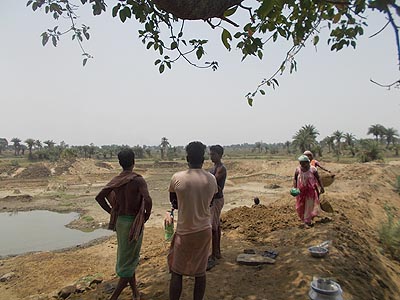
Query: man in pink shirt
column 191, row 192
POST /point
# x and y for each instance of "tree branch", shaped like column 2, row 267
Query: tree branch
column 395, row 84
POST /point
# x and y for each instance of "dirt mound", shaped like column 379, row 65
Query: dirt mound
column 63, row 167
column 105, row 165
column 7, row 170
column 259, row 220
column 34, row 171
column 169, row 164
column 23, row 198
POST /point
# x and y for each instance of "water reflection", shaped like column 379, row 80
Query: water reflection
column 41, row 230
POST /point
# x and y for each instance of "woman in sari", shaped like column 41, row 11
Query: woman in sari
column 307, row 180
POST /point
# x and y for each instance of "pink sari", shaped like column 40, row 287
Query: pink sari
column 307, row 203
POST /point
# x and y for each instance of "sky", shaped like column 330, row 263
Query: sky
column 119, row 97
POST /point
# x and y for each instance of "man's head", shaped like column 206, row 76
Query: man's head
column 126, row 158
column 216, row 152
column 309, row 154
column 195, row 154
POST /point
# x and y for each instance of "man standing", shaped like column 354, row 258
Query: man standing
column 129, row 205
column 219, row 171
column 191, row 192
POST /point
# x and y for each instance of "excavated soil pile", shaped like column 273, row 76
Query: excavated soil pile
column 35, row 171
column 259, row 220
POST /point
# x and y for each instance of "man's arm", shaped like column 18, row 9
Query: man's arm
column 173, row 198
column 317, row 164
column 148, row 202
column 101, row 199
column 220, row 173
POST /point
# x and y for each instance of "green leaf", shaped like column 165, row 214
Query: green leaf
column 161, row 68
column 115, row 10
column 128, row 12
column 54, row 40
column 265, row 8
column 230, row 12
column 84, row 61
column 125, row 13
column 199, row 52
column 275, row 81
column 122, row 15
column 336, row 18
column 45, row 38
column 262, row 92
column 250, row 101
column 174, row 45
column 316, row 40
column 225, row 36
column 157, row 62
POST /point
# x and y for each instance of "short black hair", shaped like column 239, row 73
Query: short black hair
column 126, row 158
column 218, row 149
column 195, row 153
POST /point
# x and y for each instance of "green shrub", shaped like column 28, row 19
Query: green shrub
column 370, row 151
column 14, row 163
column 389, row 234
column 87, row 218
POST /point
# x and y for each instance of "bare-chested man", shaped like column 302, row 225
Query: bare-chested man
column 129, row 205
column 219, row 171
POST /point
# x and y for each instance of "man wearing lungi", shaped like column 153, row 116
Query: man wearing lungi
column 129, row 205
column 191, row 192
column 219, row 171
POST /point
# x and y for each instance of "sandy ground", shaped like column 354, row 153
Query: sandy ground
column 356, row 259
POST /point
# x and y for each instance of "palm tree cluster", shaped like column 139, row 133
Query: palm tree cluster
column 340, row 143
column 49, row 150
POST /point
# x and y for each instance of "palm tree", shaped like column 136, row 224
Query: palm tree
column 330, row 142
column 30, row 143
column 49, row 143
column 349, row 139
column 338, row 135
column 17, row 146
column 287, row 145
column 258, row 146
column 3, row 144
column 306, row 137
column 164, row 147
column 302, row 140
column 311, row 130
column 377, row 131
column 391, row 134
column 38, row 144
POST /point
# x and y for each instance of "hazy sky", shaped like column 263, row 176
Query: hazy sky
column 120, row 97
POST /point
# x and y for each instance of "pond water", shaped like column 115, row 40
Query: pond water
column 41, row 230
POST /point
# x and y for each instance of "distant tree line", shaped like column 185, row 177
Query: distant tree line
column 385, row 141
column 50, row 150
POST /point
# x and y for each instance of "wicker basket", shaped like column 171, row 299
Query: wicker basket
column 327, row 179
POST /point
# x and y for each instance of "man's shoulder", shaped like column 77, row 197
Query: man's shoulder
column 180, row 173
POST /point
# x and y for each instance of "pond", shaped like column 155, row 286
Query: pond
column 41, row 230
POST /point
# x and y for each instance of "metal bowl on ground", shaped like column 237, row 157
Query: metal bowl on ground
column 317, row 251
column 325, row 289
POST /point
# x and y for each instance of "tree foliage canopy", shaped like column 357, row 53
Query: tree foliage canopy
column 266, row 21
